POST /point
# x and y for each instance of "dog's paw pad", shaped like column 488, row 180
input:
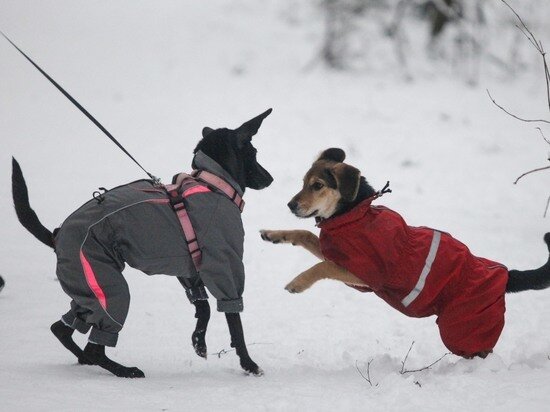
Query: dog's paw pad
column 272, row 236
column 264, row 235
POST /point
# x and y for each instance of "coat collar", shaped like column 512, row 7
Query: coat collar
column 354, row 214
column 202, row 161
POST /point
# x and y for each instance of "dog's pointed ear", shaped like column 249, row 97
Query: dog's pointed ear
column 250, row 128
column 206, row 131
column 348, row 179
column 335, row 154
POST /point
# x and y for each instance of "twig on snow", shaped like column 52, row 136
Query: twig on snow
column 405, row 360
column 404, row 371
column 425, row 367
column 367, row 378
column 225, row 351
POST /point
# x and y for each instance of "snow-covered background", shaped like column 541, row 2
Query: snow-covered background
column 155, row 73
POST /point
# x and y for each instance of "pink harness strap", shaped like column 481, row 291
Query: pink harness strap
column 221, row 185
column 186, row 186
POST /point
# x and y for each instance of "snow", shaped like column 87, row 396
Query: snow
column 155, row 73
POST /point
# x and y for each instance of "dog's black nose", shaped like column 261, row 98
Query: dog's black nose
column 293, row 205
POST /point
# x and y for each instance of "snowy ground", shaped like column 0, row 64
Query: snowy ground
column 155, row 73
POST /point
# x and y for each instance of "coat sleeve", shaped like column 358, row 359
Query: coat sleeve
column 222, row 269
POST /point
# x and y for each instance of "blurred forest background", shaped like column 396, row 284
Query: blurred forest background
column 463, row 39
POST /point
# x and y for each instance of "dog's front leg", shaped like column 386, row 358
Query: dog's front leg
column 237, row 342
column 323, row 270
column 303, row 238
column 196, row 293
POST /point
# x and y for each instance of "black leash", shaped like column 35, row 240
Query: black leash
column 155, row 179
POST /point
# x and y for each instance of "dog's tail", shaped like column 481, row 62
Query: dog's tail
column 25, row 214
column 535, row 279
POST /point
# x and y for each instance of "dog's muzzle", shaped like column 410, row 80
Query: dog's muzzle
column 259, row 178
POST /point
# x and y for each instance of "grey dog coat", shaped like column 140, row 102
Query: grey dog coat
column 135, row 224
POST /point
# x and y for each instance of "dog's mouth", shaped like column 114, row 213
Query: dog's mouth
column 312, row 214
column 299, row 214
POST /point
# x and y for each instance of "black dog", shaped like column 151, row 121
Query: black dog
column 141, row 224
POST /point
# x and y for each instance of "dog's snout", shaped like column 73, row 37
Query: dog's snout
column 293, row 205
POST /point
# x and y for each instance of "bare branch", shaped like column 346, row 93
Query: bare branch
column 547, row 205
column 224, row 351
column 513, row 115
column 538, row 45
column 533, row 39
column 425, row 367
column 405, row 360
column 404, row 371
column 522, row 30
column 367, row 378
column 543, row 136
column 531, row 171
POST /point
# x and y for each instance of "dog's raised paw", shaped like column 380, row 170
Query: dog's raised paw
column 272, row 236
column 265, row 235
column 294, row 288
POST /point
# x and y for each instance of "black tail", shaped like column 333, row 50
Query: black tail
column 25, row 214
column 535, row 279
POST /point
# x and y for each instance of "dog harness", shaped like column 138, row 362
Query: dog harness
column 185, row 185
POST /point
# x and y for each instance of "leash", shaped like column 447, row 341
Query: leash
column 155, row 179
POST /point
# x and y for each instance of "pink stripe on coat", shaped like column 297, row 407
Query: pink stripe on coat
column 92, row 281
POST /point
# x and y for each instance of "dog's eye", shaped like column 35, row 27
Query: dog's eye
column 317, row 186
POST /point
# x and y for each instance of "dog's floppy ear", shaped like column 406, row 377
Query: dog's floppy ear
column 348, row 179
column 335, row 154
column 206, row 131
column 250, row 128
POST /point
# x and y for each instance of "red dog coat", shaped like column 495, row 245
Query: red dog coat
column 421, row 272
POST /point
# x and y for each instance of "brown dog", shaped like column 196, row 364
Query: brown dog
column 417, row 270
column 329, row 188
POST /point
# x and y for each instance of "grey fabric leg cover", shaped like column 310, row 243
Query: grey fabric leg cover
column 93, row 279
column 100, row 337
column 72, row 321
column 194, row 289
column 196, row 293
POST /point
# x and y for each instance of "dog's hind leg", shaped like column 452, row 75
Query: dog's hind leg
column 202, row 313
column 323, row 270
column 237, row 342
column 95, row 354
column 65, row 335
